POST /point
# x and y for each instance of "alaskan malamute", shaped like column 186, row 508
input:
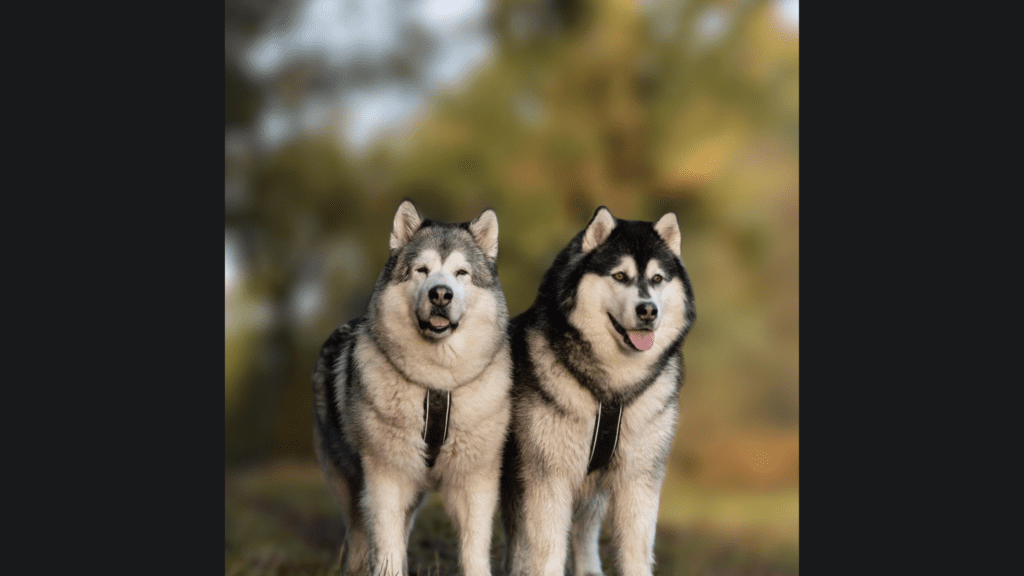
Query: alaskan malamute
column 414, row 395
column 597, row 371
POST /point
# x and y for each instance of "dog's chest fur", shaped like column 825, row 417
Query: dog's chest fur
column 561, row 426
column 386, row 413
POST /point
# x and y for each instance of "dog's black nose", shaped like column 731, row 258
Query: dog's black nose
column 646, row 311
column 440, row 295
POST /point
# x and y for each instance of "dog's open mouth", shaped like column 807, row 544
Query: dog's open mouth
column 437, row 324
column 637, row 339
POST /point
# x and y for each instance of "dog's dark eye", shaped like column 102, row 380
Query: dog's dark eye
column 656, row 279
column 422, row 269
column 461, row 272
column 619, row 276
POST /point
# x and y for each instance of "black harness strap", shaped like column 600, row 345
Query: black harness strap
column 606, row 436
column 436, row 407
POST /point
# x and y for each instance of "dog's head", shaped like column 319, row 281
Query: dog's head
column 437, row 269
column 632, row 286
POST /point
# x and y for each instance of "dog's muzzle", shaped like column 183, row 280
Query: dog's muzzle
column 438, row 322
column 438, row 311
column 638, row 340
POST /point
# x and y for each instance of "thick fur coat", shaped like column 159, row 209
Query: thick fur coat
column 606, row 329
column 437, row 321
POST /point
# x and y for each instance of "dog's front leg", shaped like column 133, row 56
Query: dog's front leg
column 634, row 520
column 547, row 510
column 587, row 515
column 354, row 556
column 389, row 499
column 470, row 501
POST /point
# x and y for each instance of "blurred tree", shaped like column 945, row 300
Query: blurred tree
column 686, row 107
column 242, row 21
column 288, row 205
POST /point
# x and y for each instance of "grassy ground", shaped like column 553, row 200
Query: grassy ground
column 280, row 520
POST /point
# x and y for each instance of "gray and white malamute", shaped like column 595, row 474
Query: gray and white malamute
column 597, row 372
column 414, row 395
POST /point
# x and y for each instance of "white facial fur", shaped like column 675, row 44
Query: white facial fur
column 599, row 296
column 447, row 360
column 621, row 300
column 446, row 273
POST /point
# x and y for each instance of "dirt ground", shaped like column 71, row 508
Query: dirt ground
column 280, row 520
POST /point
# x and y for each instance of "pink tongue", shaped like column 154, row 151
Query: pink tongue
column 642, row 340
column 438, row 321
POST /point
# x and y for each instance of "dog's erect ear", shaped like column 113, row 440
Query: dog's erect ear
column 407, row 222
column 485, row 232
column 668, row 228
column 601, row 225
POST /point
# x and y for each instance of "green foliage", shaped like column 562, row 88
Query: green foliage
column 614, row 108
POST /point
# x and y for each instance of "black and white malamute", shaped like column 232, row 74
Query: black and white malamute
column 597, row 371
column 414, row 395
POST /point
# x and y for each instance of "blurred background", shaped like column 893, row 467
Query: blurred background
column 336, row 110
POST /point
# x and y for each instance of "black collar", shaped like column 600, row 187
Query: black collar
column 436, row 407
